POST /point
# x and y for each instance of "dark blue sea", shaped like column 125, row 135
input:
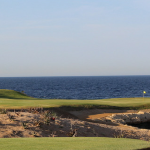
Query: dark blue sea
column 92, row 87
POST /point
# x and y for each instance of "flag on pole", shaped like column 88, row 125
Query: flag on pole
column 144, row 92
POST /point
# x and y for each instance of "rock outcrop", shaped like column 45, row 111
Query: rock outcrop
column 130, row 118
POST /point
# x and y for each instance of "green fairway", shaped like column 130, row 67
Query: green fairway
column 79, row 143
column 13, row 99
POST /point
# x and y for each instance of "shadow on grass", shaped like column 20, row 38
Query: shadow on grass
column 148, row 148
column 86, row 107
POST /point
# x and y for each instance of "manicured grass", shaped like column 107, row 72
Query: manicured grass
column 77, row 143
column 4, row 93
column 13, row 99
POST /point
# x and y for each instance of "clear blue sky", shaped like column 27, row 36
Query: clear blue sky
column 74, row 37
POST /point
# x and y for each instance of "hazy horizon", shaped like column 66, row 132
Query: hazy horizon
column 73, row 76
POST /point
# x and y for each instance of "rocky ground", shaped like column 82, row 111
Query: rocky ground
column 59, row 123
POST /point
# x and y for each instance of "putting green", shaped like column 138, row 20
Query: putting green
column 13, row 99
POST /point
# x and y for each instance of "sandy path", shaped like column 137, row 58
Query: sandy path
column 98, row 113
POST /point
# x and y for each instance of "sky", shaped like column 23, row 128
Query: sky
column 74, row 38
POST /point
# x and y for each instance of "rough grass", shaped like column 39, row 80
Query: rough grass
column 13, row 99
column 77, row 143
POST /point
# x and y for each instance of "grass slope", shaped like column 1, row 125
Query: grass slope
column 4, row 93
column 79, row 143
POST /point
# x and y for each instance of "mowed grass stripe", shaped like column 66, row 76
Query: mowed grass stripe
column 124, row 102
column 13, row 99
column 77, row 143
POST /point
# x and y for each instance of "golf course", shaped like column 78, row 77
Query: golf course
column 27, row 135
column 13, row 99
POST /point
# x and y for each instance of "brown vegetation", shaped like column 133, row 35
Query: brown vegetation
column 37, row 122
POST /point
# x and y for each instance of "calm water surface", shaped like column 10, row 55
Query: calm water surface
column 100, row 87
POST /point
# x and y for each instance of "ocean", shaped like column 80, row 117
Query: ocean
column 79, row 87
